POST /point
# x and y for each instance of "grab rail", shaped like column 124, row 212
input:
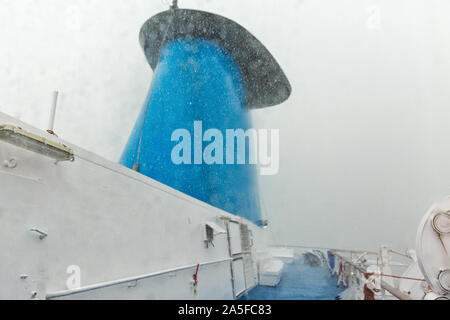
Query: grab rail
column 58, row 294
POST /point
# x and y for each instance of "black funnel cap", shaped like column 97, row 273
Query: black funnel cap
column 266, row 84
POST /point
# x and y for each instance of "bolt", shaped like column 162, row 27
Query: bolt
column 11, row 163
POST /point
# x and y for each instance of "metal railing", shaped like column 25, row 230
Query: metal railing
column 394, row 291
column 322, row 248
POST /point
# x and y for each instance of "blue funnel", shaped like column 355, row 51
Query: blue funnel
column 200, row 83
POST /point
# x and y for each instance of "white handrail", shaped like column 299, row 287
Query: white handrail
column 63, row 293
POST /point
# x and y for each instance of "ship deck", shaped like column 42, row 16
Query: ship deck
column 299, row 282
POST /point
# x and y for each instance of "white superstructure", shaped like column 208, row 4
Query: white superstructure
column 91, row 228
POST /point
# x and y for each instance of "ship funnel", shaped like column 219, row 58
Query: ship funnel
column 208, row 72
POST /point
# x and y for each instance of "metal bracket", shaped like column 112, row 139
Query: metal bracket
column 42, row 234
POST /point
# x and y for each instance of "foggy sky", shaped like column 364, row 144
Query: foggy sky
column 365, row 135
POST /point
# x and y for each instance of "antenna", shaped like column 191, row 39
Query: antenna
column 51, row 121
column 174, row 5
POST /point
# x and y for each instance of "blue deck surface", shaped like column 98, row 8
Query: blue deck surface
column 299, row 282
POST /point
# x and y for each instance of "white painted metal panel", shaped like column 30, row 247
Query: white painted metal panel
column 239, row 276
column 23, row 255
column 250, row 272
column 235, row 236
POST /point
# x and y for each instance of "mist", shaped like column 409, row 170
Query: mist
column 364, row 137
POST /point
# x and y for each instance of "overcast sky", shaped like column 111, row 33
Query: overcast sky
column 365, row 136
